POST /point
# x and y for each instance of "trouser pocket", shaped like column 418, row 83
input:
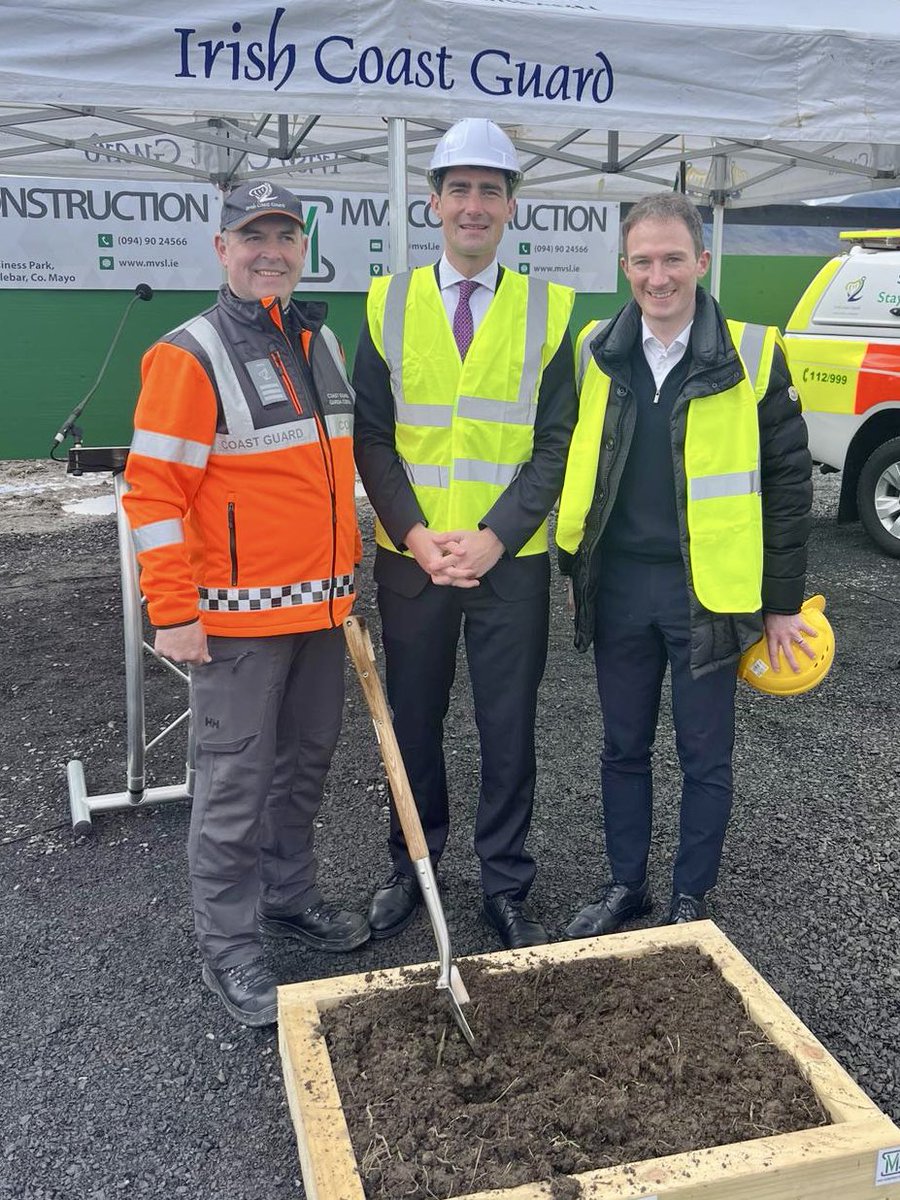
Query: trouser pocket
column 228, row 700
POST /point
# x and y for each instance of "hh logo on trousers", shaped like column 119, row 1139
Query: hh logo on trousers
column 211, row 722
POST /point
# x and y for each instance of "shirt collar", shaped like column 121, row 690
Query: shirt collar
column 449, row 275
column 648, row 337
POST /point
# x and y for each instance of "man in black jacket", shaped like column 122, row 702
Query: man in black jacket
column 683, row 525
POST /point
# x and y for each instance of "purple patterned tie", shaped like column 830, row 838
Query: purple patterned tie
column 463, row 327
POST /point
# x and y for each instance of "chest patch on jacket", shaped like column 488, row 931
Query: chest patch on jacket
column 265, row 379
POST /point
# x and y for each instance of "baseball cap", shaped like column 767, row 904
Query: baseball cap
column 252, row 200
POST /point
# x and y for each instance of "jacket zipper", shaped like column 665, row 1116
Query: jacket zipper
column 324, row 443
column 232, row 543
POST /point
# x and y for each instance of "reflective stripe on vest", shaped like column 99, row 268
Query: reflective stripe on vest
column 464, row 430
column 242, row 437
column 721, row 464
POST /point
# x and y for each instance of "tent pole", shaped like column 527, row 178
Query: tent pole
column 718, row 229
column 397, row 194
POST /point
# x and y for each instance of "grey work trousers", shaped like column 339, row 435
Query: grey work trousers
column 267, row 714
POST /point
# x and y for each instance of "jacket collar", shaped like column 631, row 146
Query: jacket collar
column 710, row 348
column 299, row 315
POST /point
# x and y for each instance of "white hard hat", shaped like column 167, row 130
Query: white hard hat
column 476, row 142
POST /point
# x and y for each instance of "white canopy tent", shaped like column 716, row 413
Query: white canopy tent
column 736, row 105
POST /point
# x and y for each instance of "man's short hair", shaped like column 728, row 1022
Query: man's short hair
column 436, row 179
column 665, row 206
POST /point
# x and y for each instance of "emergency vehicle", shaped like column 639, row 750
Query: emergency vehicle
column 843, row 342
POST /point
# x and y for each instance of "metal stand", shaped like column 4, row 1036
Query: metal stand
column 136, row 794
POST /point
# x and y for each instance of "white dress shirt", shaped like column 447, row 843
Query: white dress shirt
column 661, row 359
column 481, row 298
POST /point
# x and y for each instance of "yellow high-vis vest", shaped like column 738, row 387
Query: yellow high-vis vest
column 464, row 429
column 721, row 465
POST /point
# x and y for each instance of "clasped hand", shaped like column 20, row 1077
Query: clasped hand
column 455, row 559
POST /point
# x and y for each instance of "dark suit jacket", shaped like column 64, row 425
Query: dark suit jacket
column 516, row 513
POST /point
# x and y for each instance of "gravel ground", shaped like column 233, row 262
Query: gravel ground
column 125, row 1078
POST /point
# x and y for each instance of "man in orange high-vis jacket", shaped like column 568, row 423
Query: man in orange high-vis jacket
column 241, row 502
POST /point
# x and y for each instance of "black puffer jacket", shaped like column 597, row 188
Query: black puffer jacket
column 786, row 468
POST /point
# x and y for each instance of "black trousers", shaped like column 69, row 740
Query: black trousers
column 506, row 650
column 643, row 624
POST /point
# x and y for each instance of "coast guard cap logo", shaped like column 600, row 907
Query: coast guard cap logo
column 252, row 200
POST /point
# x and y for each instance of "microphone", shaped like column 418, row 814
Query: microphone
column 143, row 291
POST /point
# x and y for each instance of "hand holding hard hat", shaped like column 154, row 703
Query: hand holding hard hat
column 813, row 665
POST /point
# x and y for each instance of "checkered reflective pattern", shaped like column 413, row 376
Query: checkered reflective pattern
column 463, row 326
column 312, row 591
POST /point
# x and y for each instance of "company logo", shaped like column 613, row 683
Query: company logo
column 855, row 288
column 318, row 267
column 262, row 193
column 887, row 1167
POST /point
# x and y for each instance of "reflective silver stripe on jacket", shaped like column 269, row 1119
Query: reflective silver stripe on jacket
column 536, row 311
column 751, row 348
column 437, row 416
column 339, row 424
column 474, row 470
column 392, row 337
column 512, row 412
column 158, row 533
column 273, row 437
column 169, row 449
column 732, row 483
column 427, row 474
column 234, row 403
column 327, row 336
column 288, row 595
column 585, row 357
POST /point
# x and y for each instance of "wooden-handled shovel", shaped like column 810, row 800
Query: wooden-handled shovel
column 449, row 981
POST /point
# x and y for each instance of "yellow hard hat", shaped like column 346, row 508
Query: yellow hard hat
column 755, row 666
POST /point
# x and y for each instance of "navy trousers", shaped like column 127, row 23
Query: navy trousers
column 643, row 624
column 506, row 648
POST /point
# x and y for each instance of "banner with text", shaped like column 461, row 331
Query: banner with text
column 104, row 234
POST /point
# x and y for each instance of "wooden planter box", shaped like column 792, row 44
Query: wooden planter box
column 855, row 1158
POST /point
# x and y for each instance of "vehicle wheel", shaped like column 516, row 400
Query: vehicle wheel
column 878, row 497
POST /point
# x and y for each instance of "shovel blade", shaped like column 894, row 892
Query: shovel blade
column 458, row 1015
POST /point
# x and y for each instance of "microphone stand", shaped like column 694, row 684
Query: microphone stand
column 136, row 792
column 143, row 291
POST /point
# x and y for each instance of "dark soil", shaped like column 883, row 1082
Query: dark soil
column 124, row 1077
column 579, row 1066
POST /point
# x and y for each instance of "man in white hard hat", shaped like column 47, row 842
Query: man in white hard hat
column 465, row 408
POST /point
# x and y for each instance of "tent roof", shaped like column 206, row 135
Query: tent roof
column 814, row 70
column 749, row 103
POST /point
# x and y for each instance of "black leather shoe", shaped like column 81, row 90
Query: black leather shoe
column 618, row 903
column 323, row 926
column 247, row 991
column 685, row 908
column 516, row 927
column 394, row 905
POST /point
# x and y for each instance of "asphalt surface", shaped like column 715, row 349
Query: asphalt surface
column 122, row 1076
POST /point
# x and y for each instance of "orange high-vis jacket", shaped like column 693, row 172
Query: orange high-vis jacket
column 240, row 473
